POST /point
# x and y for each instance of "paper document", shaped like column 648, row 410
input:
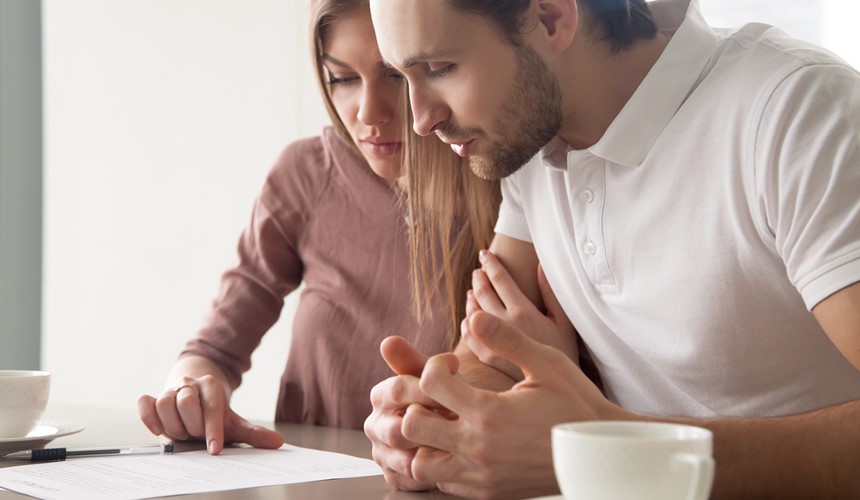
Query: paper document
column 146, row 476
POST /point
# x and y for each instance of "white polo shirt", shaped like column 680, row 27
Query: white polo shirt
column 690, row 242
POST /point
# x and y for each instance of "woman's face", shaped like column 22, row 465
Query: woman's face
column 364, row 91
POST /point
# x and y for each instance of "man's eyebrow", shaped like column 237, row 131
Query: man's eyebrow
column 423, row 57
column 417, row 59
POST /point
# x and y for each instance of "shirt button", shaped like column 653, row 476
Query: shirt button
column 590, row 248
column 587, row 195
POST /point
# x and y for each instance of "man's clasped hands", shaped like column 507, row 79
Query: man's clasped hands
column 478, row 420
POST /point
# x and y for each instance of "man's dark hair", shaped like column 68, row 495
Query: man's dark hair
column 622, row 22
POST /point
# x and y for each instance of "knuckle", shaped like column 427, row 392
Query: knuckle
column 402, row 482
column 393, row 437
column 378, row 455
column 146, row 407
column 490, row 359
column 404, row 463
column 210, row 405
column 379, row 392
column 554, row 357
column 418, row 470
column 184, row 406
column 517, row 314
column 392, row 478
column 148, row 420
column 481, row 452
column 368, row 426
column 485, row 420
column 480, row 292
column 163, row 404
column 397, row 392
column 464, row 329
column 497, row 275
column 427, row 383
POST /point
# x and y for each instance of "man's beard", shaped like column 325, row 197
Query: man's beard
column 529, row 118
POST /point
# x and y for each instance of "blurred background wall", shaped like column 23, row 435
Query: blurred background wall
column 162, row 118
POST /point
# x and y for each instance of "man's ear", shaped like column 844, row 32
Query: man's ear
column 559, row 21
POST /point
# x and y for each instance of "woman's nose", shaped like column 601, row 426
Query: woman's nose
column 378, row 105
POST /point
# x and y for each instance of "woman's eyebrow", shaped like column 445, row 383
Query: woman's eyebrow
column 336, row 62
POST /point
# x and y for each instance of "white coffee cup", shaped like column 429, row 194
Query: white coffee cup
column 611, row 460
column 23, row 397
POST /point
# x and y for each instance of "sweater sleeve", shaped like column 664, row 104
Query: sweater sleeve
column 251, row 294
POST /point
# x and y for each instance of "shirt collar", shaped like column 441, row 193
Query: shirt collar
column 632, row 134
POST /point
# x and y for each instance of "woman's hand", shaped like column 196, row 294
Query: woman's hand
column 198, row 408
column 495, row 291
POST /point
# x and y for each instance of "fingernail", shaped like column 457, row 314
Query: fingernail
column 482, row 255
column 211, row 446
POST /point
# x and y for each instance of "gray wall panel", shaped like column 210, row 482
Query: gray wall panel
column 20, row 183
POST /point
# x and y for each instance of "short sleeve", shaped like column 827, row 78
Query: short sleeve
column 808, row 177
column 512, row 220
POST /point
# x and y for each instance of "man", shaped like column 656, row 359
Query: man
column 692, row 197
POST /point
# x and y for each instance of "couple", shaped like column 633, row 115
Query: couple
column 692, row 197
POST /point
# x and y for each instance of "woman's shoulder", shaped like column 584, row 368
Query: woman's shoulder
column 304, row 168
column 316, row 155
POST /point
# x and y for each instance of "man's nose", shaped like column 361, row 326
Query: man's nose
column 427, row 111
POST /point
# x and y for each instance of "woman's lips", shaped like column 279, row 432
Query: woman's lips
column 382, row 149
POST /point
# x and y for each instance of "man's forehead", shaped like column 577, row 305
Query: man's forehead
column 413, row 31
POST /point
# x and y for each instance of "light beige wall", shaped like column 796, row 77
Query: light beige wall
column 839, row 29
column 829, row 23
column 162, row 118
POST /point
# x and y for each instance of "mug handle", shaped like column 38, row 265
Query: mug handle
column 701, row 473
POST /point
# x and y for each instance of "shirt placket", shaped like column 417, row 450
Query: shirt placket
column 586, row 188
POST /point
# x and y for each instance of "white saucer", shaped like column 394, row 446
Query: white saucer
column 44, row 432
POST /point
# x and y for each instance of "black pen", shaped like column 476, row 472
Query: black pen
column 60, row 454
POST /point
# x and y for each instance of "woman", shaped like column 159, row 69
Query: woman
column 331, row 216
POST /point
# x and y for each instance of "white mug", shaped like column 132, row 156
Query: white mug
column 23, row 397
column 615, row 460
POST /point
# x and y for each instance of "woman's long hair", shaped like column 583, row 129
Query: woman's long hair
column 323, row 14
column 452, row 214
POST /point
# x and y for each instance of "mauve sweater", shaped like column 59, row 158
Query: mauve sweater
column 324, row 219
